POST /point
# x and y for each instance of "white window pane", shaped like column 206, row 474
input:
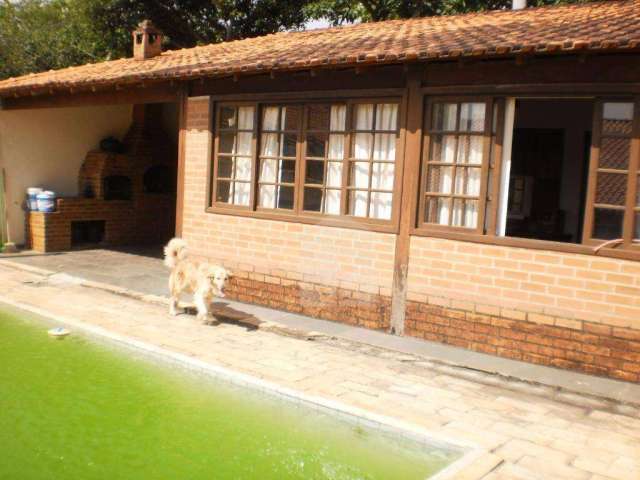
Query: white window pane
column 336, row 146
column 358, row 203
column 471, row 214
column 334, row 174
column 618, row 111
column 364, row 116
column 382, row 176
column 444, row 116
column 362, row 145
column 360, row 175
column 241, row 193
column 338, row 118
column 470, row 149
column 385, row 146
column 269, row 145
column 268, row 170
column 472, row 117
column 270, row 118
column 243, row 146
column 439, row 179
column 332, row 202
column 243, row 168
column 473, row 182
column 245, row 118
column 387, row 116
column 381, row 205
column 458, row 213
column 443, row 208
column 443, row 148
column 267, row 197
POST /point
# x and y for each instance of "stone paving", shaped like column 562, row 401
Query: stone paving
column 530, row 437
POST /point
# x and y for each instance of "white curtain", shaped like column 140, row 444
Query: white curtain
column 268, row 169
column 267, row 197
column 362, row 146
column 243, row 144
column 472, row 116
column 338, row 118
column 384, row 146
column 381, row 205
column 245, row 118
column 387, row 116
column 241, row 193
column 358, row 203
column 382, row 176
column 336, row 146
column 332, row 202
column 443, row 206
column 270, row 118
column 364, row 116
column 360, row 174
column 470, row 149
column 243, row 168
column 269, row 145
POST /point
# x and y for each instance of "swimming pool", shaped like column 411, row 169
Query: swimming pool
column 83, row 408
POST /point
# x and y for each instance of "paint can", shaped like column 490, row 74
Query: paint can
column 46, row 201
column 32, row 198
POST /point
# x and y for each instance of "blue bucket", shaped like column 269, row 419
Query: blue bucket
column 32, row 198
column 46, row 202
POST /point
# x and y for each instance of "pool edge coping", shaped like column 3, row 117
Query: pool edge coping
column 474, row 463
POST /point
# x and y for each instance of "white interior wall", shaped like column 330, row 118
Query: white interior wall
column 46, row 147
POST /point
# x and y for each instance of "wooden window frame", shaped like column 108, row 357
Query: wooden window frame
column 298, row 215
column 427, row 228
column 628, row 250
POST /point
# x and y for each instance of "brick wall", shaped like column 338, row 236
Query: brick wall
column 334, row 273
column 572, row 311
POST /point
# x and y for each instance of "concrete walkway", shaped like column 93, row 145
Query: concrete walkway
column 141, row 270
column 528, row 435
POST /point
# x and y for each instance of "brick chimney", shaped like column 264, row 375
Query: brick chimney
column 147, row 41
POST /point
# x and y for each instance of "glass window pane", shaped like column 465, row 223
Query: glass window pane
column 225, row 167
column 439, row 179
column 437, row 210
column 316, row 145
column 289, row 141
column 332, row 202
column 443, row 148
column 287, row 171
column 226, row 143
column 245, row 118
column 362, row 145
column 338, row 118
column 614, row 153
column 384, row 146
column 458, row 213
column 382, row 176
column 364, row 116
column 473, row 182
column 334, row 174
column 241, row 193
column 472, row 117
column 611, row 188
column 270, row 118
column 318, row 118
column 315, row 172
column 312, row 199
column 636, row 230
column 223, row 192
column 269, row 145
column 381, row 205
column 244, row 143
column 291, row 116
column 360, row 174
column 358, row 203
column 607, row 224
column 285, row 197
column 618, row 118
column 227, row 117
column 444, row 116
column 243, row 168
column 268, row 169
column 267, row 196
column 336, row 146
column 470, row 149
column 387, row 116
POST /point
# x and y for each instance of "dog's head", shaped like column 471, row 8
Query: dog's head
column 218, row 276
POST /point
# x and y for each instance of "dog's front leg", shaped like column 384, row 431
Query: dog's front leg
column 201, row 306
column 173, row 306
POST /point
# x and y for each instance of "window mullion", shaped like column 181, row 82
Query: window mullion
column 255, row 164
column 484, row 169
column 632, row 180
column 346, row 162
column 454, row 168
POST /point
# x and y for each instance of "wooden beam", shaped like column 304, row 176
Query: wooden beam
column 183, row 97
column 157, row 94
column 412, row 133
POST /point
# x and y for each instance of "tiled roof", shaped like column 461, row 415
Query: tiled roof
column 608, row 25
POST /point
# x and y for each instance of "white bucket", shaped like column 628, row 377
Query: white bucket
column 32, row 200
column 46, row 201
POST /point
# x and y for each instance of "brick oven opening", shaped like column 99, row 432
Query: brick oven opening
column 117, row 187
column 87, row 232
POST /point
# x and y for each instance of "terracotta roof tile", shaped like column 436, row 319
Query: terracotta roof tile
column 592, row 26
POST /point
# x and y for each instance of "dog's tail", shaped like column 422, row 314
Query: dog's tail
column 174, row 252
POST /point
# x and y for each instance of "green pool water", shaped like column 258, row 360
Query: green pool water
column 78, row 408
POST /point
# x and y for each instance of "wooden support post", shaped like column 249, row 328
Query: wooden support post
column 183, row 97
column 410, row 175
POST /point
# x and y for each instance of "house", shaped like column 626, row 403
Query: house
column 470, row 180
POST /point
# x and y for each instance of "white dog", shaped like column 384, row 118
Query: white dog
column 203, row 280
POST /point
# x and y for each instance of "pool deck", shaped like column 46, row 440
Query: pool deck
column 532, row 431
